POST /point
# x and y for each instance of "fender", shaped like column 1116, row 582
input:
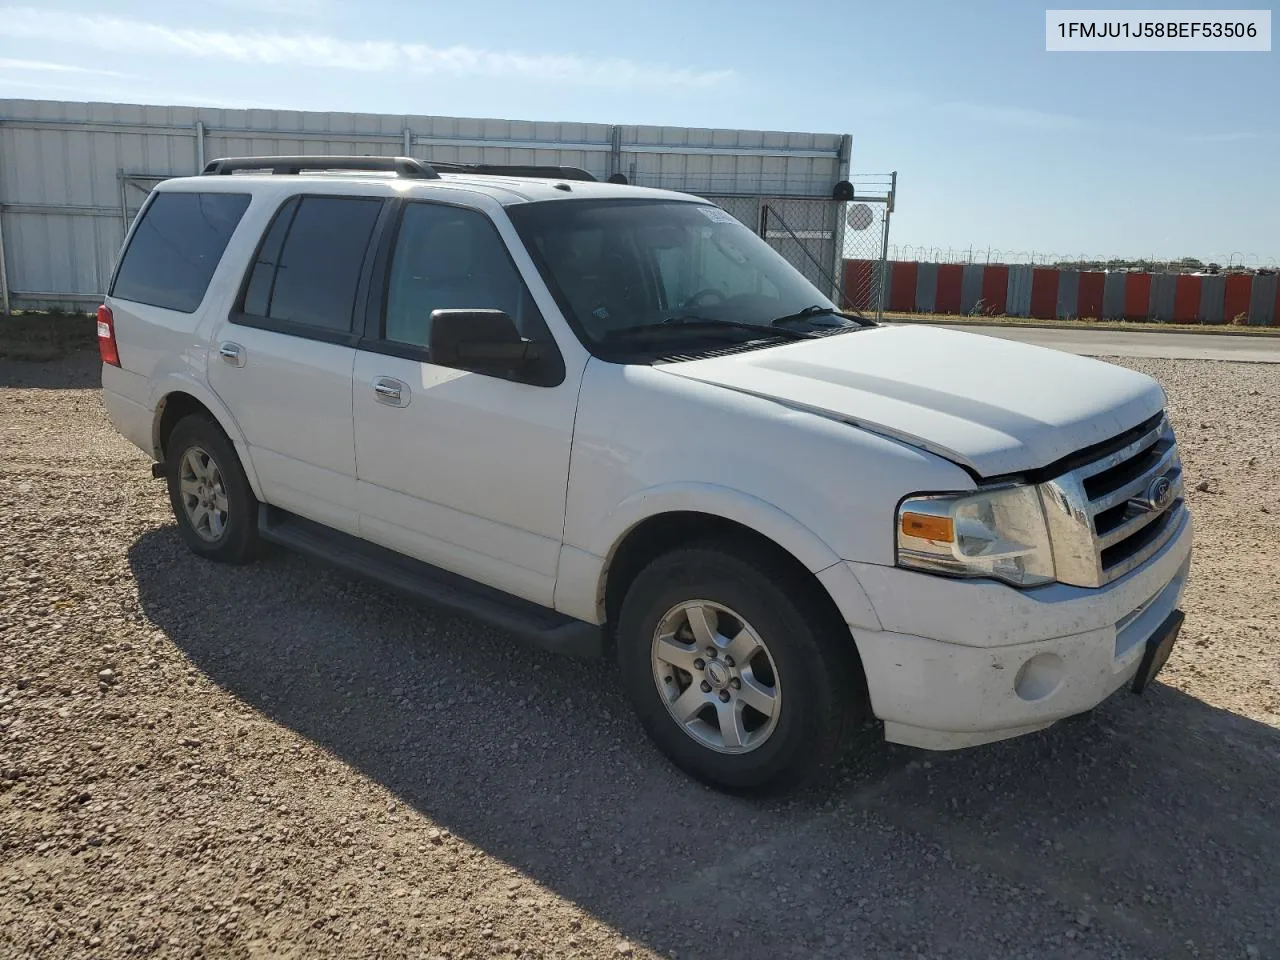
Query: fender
column 175, row 382
column 743, row 508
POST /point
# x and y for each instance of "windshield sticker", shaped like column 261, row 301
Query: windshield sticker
column 716, row 215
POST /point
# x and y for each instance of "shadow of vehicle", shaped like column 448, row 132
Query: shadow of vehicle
column 1148, row 828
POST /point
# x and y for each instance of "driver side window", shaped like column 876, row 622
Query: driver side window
column 451, row 258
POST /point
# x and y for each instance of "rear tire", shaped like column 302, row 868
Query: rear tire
column 212, row 501
column 783, row 717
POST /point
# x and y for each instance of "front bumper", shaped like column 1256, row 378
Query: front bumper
column 963, row 662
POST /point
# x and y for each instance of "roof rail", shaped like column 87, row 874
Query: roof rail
column 402, row 166
column 513, row 170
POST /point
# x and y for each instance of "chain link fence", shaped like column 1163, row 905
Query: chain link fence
column 806, row 233
column 840, row 245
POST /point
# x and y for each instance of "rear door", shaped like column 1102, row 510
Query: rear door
column 463, row 469
column 282, row 360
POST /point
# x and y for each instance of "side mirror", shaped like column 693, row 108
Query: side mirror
column 479, row 340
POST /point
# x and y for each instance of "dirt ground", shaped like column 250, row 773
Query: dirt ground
column 274, row 760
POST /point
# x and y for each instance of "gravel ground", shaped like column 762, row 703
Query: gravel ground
column 274, row 760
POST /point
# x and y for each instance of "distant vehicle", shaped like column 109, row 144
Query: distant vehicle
column 614, row 420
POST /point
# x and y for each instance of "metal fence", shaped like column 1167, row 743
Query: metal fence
column 840, row 245
column 73, row 175
column 1236, row 261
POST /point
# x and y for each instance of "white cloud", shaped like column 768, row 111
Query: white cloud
column 310, row 50
column 42, row 66
column 1020, row 118
column 1230, row 137
column 287, row 8
column 88, row 92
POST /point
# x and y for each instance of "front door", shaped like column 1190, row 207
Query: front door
column 465, row 470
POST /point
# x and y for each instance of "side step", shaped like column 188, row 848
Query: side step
column 530, row 621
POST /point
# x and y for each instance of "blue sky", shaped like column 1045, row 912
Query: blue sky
column 998, row 144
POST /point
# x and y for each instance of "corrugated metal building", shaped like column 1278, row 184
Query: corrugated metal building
column 72, row 175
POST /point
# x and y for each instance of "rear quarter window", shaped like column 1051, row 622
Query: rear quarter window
column 176, row 247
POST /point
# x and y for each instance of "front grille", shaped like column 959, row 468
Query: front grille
column 1102, row 514
column 1135, row 545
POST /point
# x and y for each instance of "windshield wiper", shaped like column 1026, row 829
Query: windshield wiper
column 809, row 313
column 693, row 324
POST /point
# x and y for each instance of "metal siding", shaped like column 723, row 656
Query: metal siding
column 1068, row 294
column 950, row 277
column 859, row 283
column 1113, row 296
column 1212, row 291
column 926, row 287
column 971, row 288
column 1186, row 298
column 1235, row 298
column 1089, row 295
column 1262, row 302
column 1044, row 293
column 1163, row 291
column 653, row 157
column 902, row 286
column 995, row 290
column 1019, row 297
column 68, row 157
column 1137, row 296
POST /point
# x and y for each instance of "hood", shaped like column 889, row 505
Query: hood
column 992, row 405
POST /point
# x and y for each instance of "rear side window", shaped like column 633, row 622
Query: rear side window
column 176, row 247
column 308, row 267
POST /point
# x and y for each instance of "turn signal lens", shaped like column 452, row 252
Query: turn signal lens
column 937, row 529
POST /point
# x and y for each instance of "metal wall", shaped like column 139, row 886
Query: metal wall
column 72, row 175
column 1047, row 293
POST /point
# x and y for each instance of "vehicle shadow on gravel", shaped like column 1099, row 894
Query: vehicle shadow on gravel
column 1147, row 829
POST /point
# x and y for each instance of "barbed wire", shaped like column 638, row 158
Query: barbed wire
column 1214, row 263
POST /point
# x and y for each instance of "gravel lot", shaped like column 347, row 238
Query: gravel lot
column 274, row 760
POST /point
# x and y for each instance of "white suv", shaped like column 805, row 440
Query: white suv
column 614, row 420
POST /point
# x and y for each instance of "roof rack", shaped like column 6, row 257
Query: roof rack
column 513, row 170
column 401, row 166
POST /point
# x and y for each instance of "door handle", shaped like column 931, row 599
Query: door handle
column 232, row 353
column 392, row 392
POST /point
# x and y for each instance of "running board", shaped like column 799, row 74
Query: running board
column 532, row 622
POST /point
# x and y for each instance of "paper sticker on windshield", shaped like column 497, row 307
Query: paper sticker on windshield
column 716, row 215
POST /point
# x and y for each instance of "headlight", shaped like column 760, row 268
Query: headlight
column 998, row 533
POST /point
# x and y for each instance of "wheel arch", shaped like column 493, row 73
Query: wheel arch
column 176, row 399
column 735, row 518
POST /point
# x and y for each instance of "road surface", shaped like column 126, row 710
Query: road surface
column 1124, row 343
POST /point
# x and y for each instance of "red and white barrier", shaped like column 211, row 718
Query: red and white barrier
column 1048, row 293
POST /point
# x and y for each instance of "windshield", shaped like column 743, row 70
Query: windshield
column 621, row 267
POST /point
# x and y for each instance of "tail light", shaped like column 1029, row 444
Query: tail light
column 107, row 336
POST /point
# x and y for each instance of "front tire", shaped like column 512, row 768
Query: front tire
column 736, row 670
column 212, row 501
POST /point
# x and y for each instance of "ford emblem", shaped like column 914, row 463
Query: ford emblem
column 1160, row 493
column 1158, row 496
